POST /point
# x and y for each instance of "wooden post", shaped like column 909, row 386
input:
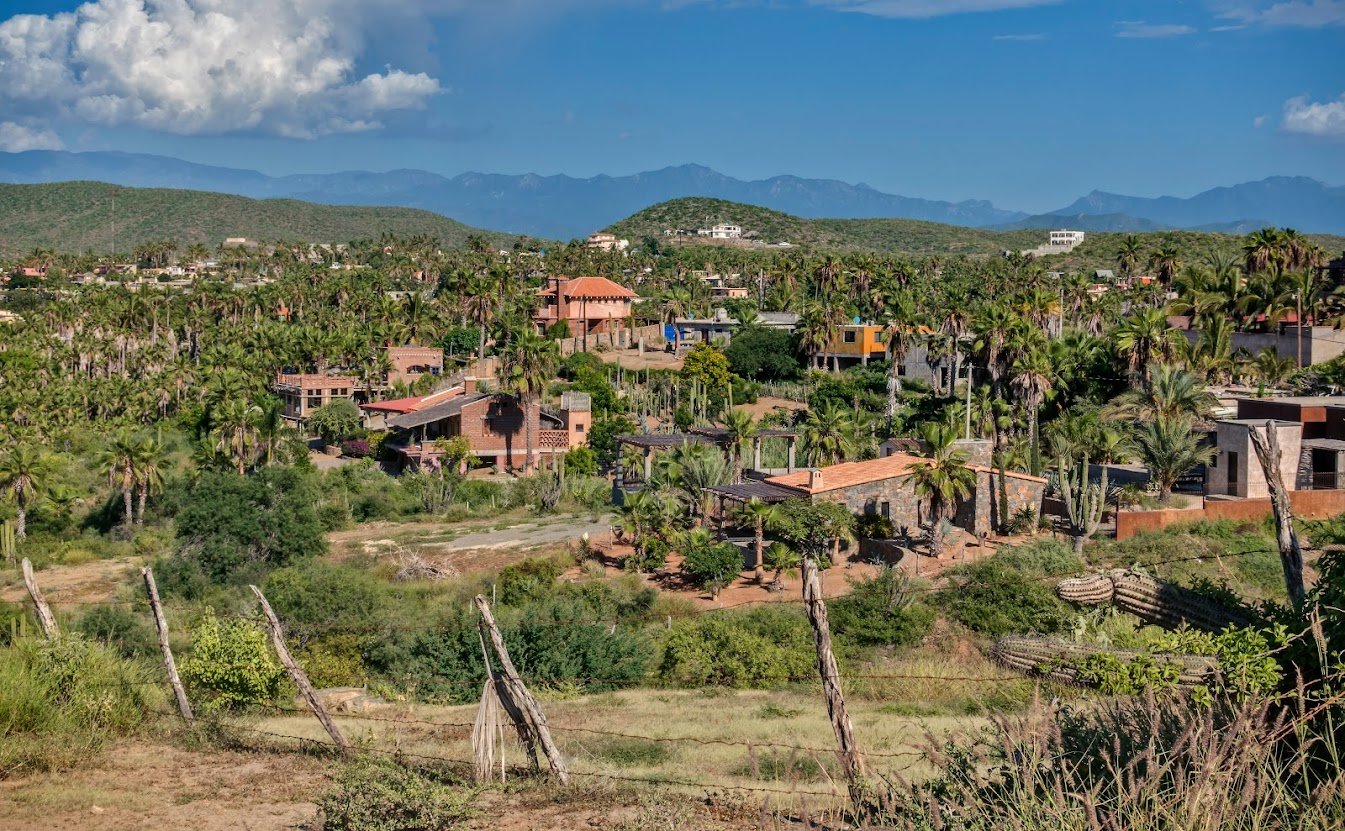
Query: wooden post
column 1291, row 555
column 297, row 673
column 161, row 626
column 44, row 615
column 519, row 692
column 852, row 762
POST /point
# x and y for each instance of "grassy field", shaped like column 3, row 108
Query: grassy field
column 77, row 216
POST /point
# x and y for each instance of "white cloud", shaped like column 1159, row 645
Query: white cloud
column 1308, row 14
column 16, row 138
column 1142, row 29
column 280, row 67
column 927, row 8
column 1024, row 38
column 1310, row 118
column 1259, row 121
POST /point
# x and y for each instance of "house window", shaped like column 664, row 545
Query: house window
column 879, row 336
column 849, row 337
column 1232, row 468
column 885, row 508
column 579, row 428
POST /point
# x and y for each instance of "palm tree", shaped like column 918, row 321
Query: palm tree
column 235, row 423
column 1169, row 448
column 741, row 428
column 941, row 481
column 527, row 365
column 149, row 458
column 1033, row 378
column 1128, row 257
column 1262, row 249
column 829, row 435
column 1166, row 262
column 1169, row 392
column 1271, row 369
column 23, row 471
column 118, row 461
column 1145, row 337
column 759, row 515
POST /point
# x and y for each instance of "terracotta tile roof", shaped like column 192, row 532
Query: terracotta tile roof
column 850, row 474
column 595, row 288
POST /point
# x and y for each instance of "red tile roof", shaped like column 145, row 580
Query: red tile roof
column 595, row 288
column 849, row 474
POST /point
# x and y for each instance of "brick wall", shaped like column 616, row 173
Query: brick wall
column 1322, row 504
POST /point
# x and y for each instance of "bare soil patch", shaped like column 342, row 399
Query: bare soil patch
column 92, row 582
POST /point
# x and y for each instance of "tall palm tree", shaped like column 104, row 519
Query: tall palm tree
column 1144, row 338
column 1128, row 256
column 1166, row 262
column 527, row 365
column 829, row 435
column 941, row 480
column 149, row 461
column 741, row 429
column 759, row 515
column 1169, row 392
column 1033, row 378
column 1169, row 448
column 118, row 461
column 23, row 472
column 235, row 427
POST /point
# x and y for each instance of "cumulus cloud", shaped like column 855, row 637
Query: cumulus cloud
column 927, row 8
column 1308, row 14
column 16, row 138
column 279, row 67
column 1326, row 119
column 1142, row 29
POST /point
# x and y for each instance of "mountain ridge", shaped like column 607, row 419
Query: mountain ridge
column 559, row 206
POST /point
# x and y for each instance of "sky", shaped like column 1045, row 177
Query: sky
column 1028, row 103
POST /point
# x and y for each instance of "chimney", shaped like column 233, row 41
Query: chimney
column 814, row 480
column 469, row 385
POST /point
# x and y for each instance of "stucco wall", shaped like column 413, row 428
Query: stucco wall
column 1322, row 504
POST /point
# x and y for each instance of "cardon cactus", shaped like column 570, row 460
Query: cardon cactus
column 1093, row 590
column 1063, row 662
column 1169, row 605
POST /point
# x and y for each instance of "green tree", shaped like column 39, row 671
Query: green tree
column 941, row 481
column 336, row 420
column 759, row 515
column 527, row 365
column 119, row 461
column 762, row 354
column 1169, row 448
column 231, row 666
column 711, row 565
column 706, row 366
column 830, row 435
column 23, row 473
column 814, row 529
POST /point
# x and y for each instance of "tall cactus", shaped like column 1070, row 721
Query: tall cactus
column 7, row 545
column 1064, row 662
column 1155, row 601
column 1084, row 503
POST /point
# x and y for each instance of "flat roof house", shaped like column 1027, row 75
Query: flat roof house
column 302, row 393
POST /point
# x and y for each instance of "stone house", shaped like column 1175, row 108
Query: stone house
column 302, row 393
column 883, row 486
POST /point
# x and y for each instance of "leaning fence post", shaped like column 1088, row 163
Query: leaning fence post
column 297, row 673
column 44, row 615
column 161, row 626
column 852, row 762
column 519, row 692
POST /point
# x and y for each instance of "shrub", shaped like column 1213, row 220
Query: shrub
column 581, row 461
column 761, row 647
column 654, row 556
column 356, row 449
column 335, row 421
column 118, row 628
column 874, row 527
column 531, row 579
column 712, row 566
column 231, row 665
column 479, row 493
column 317, row 593
column 878, row 612
column 334, row 661
column 996, row 600
column 383, row 796
column 762, row 354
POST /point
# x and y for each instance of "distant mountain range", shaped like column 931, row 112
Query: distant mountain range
column 564, row 207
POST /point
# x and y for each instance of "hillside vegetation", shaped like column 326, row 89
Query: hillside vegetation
column 912, row 236
column 78, row 216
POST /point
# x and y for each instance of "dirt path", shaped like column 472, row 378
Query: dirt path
column 91, row 582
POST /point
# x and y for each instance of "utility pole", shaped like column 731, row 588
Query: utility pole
column 969, row 369
column 1298, row 299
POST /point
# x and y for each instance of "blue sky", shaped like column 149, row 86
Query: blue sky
column 1029, row 103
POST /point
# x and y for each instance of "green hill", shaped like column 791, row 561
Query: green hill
column 77, row 216
column 911, row 236
column 906, row 235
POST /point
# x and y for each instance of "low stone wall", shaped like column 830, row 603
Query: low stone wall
column 1322, row 504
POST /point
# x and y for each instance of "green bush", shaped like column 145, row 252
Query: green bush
column 531, row 579
column 335, row 421
column 61, row 701
column 480, row 494
column 120, row 629
column 757, row 648
column 231, row 665
column 879, row 612
column 317, row 593
column 581, row 461
column 334, row 661
column 712, row 566
column 994, row 599
column 874, row 527
column 383, row 796
column 654, row 556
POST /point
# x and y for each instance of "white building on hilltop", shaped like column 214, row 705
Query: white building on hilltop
column 1066, row 239
column 607, row 242
column 726, row 232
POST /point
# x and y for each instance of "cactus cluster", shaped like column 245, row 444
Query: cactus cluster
column 7, row 546
column 1061, row 661
column 1154, row 601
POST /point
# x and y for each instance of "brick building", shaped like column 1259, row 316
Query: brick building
column 409, row 363
column 494, row 425
column 301, row 394
column 587, row 305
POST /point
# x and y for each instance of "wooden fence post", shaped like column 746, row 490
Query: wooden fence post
column 1291, row 555
column 297, row 673
column 852, row 762
column 44, row 615
column 161, row 626
column 519, row 692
